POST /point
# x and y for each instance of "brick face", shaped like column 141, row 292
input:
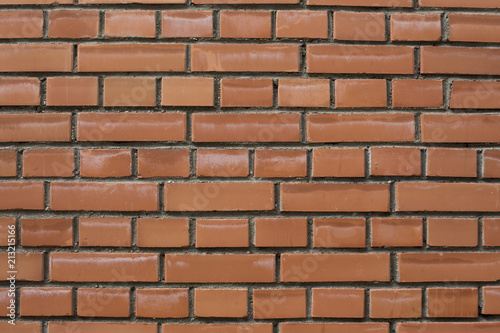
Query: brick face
column 259, row 166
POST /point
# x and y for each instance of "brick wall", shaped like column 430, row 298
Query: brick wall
column 259, row 166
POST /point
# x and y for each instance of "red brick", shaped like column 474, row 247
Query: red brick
column 301, row 24
column 245, row 24
column 8, row 163
column 322, row 197
column 248, row 127
column 131, row 127
column 395, row 161
column 359, row 26
column 103, row 267
column 129, row 91
column 344, row 127
column 452, row 232
column 459, row 3
column 474, row 28
column 491, row 232
column 95, row 231
column 47, row 232
column 396, row 303
column 73, row 23
column 279, row 303
column 19, row 91
column 280, row 232
column 21, row 326
column 360, row 93
column 475, row 95
column 222, row 233
column 22, row 195
column 339, row 233
column 338, row 162
column 280, row 163
column 226, row 303
column 458, row 128
column 48, row 163
column 448, row 162
column 313, row 267
column 79, row 91
column 222, row 163
column 353, row 59
column 452, row 302
column 215, row 268
column 162, row 232
column 6, row 297
column 397, row 232
column 415, row 27
column 7, row 230
column 491, row 300
column 21, row 24
column 102, row 196
column 103, row 302
column 130, row 23
column 29, row 266
column 447, row 197
column 244, row 57
column 187, row 23
column 101, row 327
column 485, row 327
column 219, row 196
column 417, row 93
column 187, row 91
column 491, row 164
column 46, row 302
column 338, row 303
column 101, row 163
column 162, row 303
column 214, row 327
column 131, row 57
column 362, row 3
column 246, row 92
column 39, row 127
column 304, row 93
column 36, row 58
column 446, row 267
column 459, row 60
column 163, row 163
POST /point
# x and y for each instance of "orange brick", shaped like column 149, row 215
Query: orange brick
column 338, row 303
column 101, row 327
column 95, row 231
column 101, row 163
column 22, row 195
column 19, row 91
column 475, row 95
column 21, row 327
column 359, row 26
column 227, row 303
column 21, row 24
column 73, row 23
column 245, row 24
column 396, row 303
column 41, row 127
column 36, row 58
column 338, row 162
column 103, row 302
column 280, row 163
column 452, row 302
column 280, row 232
column 187, row 91
column 246, row 92
column 304, row 92
column 7, row 230
column 491, row 164
column 460, row 128
column 163, row 163
column 395, row 161
column 484, row 327
column 162, row 232
column 474, row 28
column 215, row 268
column 397, row 232
column 8, row 163
column 162, row 303
column 187, row 23
column 279, row 303
column 451, row 162
column 29, row 266
column 103, row 267
column 46, row 302
column 214, row 327
column 360, row 93
column 341, row 233
column 222, row 163
column 459, row 60
column 130, row 23
column 129, row 91
column 491, row 300
column 362, row 3
column 222, row 233
column 415, row 27
column 48, row 163
column 417, row 93
column 47, row 232
column 491, row 232
column 80, row 91
column 452, row 232
column 301, row 24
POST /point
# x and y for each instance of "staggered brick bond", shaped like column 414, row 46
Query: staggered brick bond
column 261, row 166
